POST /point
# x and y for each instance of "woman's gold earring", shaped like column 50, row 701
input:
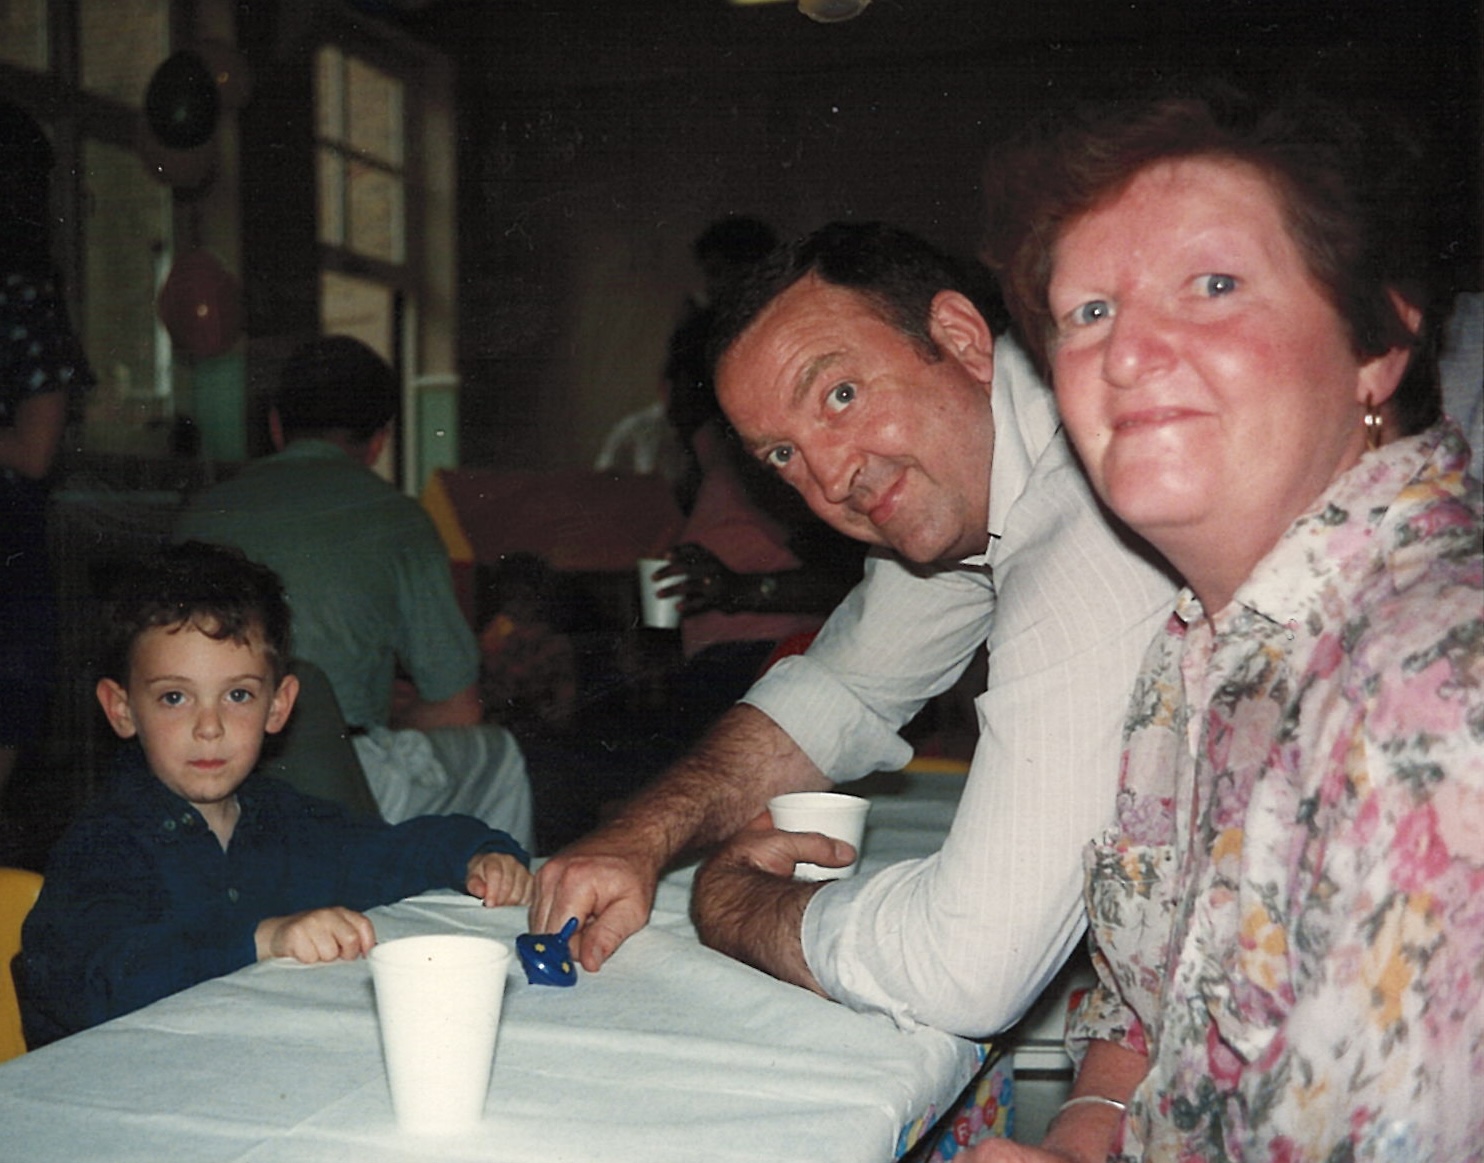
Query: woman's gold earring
column 1374, row 422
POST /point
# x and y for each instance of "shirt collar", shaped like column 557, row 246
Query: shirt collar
column 1025, row 422
column 1344, row 531
column 312, row 448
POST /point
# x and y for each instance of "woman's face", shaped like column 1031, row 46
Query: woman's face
column 1208, row 384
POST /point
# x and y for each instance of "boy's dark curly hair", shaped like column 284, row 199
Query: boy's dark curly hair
column 213, row 588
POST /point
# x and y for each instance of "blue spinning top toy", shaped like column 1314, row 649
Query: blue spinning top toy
column 546, row 957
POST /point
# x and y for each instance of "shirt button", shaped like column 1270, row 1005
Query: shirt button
column 232, row 895
column 169, row 825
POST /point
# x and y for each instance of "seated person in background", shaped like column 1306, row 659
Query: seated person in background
column 860, row 363
column 529, row 669
column 754, row 568
column 1287, row 920
column 725, row 251
column 371, row 588
column 192, row 865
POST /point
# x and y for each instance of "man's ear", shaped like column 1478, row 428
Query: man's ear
column 283, row 704
column 960, row 330
column 115, row 703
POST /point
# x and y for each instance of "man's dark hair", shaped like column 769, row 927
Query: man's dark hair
column 1348, row 190
column 896, row 272
column 336, row 384
column 212, row 588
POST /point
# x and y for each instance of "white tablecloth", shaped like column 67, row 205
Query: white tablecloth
column 672, row 1052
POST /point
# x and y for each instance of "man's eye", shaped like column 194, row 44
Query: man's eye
column 172, row 698
column 778, row 457
column 240, row 695
column 840, row 395
column 1093, row 311
column 1214, row 286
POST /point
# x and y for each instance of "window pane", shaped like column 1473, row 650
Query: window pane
column 330, row 167
column 126, row 246
column 122, row 43
column 329, row 94
column 375, row 110
column 375, row 213
column 359, row 308
column 23, row 33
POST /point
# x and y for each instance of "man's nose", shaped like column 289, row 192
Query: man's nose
column 836, row 469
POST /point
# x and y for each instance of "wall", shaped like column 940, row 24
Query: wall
column 598, row 139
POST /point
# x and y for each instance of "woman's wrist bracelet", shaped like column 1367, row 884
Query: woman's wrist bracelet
column 1092, row 1100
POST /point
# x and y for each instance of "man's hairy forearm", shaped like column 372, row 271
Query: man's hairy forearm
column 726, row 781
column 755, row 918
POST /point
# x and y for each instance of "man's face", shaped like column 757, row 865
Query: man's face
column 200, row 707
column 886, row 446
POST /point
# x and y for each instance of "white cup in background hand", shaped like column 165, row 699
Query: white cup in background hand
column 659, row 613
column 832, row 813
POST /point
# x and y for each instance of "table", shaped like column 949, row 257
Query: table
column 671, row 1052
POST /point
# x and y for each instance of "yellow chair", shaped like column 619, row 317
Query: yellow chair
column 18, row 892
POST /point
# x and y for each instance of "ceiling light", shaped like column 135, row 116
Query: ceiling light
column 831, row 11
column 823, row 11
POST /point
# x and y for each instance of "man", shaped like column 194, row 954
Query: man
column 369, row 582
column 857, row 363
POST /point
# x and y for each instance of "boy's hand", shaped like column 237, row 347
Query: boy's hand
column 498, row 879
column 333, row 934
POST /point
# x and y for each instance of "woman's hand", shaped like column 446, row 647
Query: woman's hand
column 1006, row 1151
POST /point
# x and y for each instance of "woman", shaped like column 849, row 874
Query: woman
column 42, row 370
column 1288, row 916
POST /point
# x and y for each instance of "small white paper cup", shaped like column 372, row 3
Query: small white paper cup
column 659, row 613
column 832, row 813
column 438, row 1002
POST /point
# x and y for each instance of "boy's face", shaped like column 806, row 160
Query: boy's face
column 200, row 707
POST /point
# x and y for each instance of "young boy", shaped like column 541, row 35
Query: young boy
column 191, row 865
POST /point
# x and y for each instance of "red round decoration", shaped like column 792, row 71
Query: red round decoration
column 200, row 305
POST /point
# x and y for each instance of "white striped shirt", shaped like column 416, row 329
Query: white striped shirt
column 966, row 939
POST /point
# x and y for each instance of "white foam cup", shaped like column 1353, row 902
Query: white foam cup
column 438, row 1001
column 659, row 613
column 833, row 813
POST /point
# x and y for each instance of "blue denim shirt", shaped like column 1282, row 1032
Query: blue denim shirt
column 140, row 900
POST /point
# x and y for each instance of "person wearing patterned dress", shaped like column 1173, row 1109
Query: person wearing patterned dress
column 1287, row 916
column 42, row 372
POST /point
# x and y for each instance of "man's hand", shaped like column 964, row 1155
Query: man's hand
column 409, row 709
column 607, row 884
column 332, row 934
column 497, row 878
column 746, row 904
column 607, row 879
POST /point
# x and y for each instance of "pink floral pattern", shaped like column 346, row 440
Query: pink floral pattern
column 1288, row 917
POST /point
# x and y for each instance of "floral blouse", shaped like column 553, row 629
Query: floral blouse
column 1288, row 916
